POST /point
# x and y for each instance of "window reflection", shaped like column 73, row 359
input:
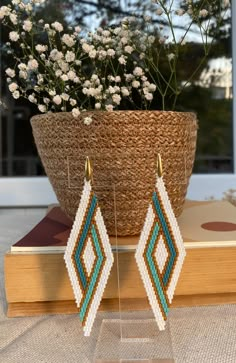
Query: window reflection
column 218, row 76
column 214, row 92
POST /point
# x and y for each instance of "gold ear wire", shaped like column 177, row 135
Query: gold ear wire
column 159, row 166
column 88, row 169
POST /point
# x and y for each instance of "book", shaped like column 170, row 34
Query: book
column 36, row 264
column 201, row 224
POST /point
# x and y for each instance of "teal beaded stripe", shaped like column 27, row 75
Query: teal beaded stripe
column 82, row 238
column 92, row 285
column 170, row 244
column 154, row 272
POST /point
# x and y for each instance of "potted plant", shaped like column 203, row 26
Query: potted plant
column 110, row 94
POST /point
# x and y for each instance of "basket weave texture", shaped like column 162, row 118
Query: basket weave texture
column 123, row 147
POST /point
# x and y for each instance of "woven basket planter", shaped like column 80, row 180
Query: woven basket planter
column 123, row 147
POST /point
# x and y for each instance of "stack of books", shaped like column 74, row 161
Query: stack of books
column 36, row 279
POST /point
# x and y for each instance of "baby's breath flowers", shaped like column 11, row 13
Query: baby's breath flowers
column 113, row 68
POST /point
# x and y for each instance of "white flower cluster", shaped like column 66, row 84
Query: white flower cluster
column 107, row 69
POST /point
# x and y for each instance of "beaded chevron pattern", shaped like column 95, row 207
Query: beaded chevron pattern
column 160, row 253
column 88, row 257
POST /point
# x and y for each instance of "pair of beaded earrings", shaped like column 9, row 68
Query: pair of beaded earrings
column 89, row 259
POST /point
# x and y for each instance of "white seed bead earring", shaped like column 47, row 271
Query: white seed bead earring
column 160, row 252
column 88, row 254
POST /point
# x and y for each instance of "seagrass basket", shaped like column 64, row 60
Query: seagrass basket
column 123, row 147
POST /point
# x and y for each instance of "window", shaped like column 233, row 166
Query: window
column 210, row 96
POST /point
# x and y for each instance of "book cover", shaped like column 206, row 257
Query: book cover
column 50, row 234
column 208, row 224
column 203, row 224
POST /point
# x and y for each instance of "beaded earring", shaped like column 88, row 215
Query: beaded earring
column 88, row 254
column 160, row 252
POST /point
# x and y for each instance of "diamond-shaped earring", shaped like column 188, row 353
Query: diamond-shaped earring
column 160, row 252
column 88, row 254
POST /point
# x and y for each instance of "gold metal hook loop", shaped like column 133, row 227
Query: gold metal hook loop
column 159, row 166
column 88, row 169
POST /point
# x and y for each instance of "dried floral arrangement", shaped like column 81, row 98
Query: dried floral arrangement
column 118, row 67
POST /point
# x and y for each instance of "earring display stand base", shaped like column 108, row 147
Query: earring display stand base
column 144, row 343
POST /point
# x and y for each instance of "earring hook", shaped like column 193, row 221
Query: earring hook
column 88, row 169
column 159, row 166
